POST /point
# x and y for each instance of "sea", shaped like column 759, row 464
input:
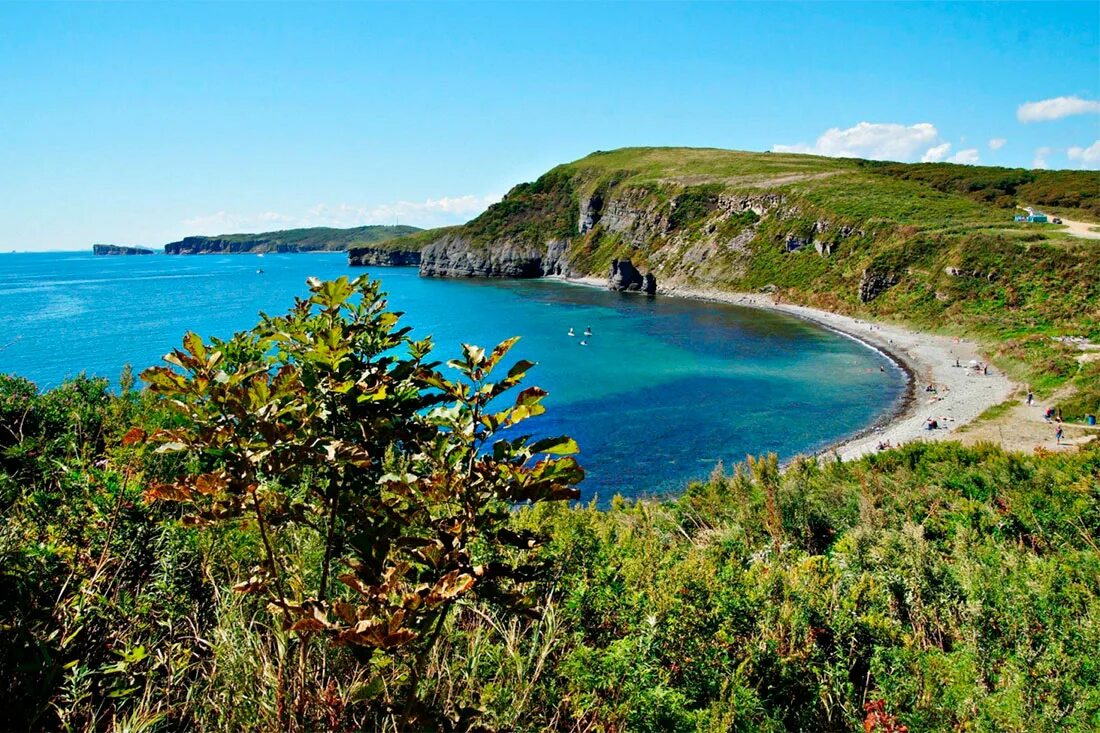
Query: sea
column 664, row 389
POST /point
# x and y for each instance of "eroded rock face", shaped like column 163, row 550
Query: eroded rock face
column 625, row 276
column 381, row 257
column 455, row 256
column 874, row 283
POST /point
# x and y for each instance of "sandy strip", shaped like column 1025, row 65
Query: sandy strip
column 961, row 392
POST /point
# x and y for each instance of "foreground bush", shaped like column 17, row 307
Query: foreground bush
column 933, row 587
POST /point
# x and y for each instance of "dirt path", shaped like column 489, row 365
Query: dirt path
column 1023, row 428
column 1079, row 229
column 1075, row 228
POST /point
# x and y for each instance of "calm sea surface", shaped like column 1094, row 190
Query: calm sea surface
column 664, row 389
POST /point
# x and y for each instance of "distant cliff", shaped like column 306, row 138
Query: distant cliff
column 118, row 249
column 316, row 239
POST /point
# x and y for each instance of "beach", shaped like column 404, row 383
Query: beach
column 961, row 394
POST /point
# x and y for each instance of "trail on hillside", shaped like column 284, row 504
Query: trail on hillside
column 1079, row 229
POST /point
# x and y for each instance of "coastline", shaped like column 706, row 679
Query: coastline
column 961, row 393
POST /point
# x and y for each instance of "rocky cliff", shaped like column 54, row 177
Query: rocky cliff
column 382, row 257
column 839, row 233
column 118, row 249
column 315, row 239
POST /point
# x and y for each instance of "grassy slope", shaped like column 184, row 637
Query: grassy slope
column 316, row 238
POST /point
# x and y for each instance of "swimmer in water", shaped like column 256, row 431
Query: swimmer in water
column 571, row 331
column 584, row 343
column 588, row 331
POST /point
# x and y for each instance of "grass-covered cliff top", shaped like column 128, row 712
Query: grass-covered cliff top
column 312, row 239
column 904, row 192
column 933, row 245
column 930, row 196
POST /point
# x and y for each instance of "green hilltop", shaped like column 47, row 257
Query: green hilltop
column 932, row 245
column 312, row 239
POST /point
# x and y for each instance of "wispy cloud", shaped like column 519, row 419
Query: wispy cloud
column 1086, row 157
column 1040, row 160
column 878, row 141
column 1056, row 108
column 965, row 157
column 427, row 213
column 997, row 143
column 935, row 154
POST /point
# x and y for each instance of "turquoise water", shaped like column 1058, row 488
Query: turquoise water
column 664, row 389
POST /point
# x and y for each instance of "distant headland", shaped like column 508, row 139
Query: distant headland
column 313, row 239
column 119, row 249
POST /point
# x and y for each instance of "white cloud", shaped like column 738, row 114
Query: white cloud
column 1040, row 160
column 1086, row 157
column 935, row 154
column 427, row 213
column 878, row 141
column 997, row 143
column 225, row 223
column 965, row 157
column 1056, row 109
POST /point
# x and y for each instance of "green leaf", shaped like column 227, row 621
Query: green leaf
column 561, row 446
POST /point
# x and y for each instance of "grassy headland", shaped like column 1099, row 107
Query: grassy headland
column 933, row 246
column 313, row 239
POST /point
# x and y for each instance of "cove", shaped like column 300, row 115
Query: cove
column 664, row 389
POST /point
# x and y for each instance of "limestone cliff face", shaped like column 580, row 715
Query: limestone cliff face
column 382, row 257
column 218, row 245
column 455, row 256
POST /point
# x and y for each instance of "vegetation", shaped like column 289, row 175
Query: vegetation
column 314, row 239
column 310, row 526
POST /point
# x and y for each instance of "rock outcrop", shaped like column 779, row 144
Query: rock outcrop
column 625, row 276
column 874, row 283
column 454, row 255
column 382, row 257
column 220, row 245
column 118, row 249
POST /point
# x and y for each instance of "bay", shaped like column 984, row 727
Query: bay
column 663, row 390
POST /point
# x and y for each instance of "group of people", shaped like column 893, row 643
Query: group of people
column 1050, row 415
column 587, row 335
column 976, row 366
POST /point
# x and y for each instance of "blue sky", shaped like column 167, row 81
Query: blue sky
column 139, row 124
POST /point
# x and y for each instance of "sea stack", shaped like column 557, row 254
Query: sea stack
column 625, row 276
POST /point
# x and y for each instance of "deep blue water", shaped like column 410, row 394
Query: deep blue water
column 664, row 389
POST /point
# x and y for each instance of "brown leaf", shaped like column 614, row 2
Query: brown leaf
column 135, row 435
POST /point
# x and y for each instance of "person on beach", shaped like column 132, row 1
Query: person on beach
column 1048, row 414
column 957, row 362
column 1058, row 435
column 1030, row 396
